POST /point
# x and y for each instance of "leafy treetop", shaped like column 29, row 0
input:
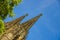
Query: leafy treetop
column 6, row 8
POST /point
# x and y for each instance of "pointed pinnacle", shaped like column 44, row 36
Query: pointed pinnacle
column 16, row 21
column 28, row 24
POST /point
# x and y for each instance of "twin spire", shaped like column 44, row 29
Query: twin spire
column 17, row 31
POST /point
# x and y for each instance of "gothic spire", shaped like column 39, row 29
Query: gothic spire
column 28, row 24
column 16, row 21
column 19, row 29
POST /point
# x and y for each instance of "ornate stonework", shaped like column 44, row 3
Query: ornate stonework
column 16, row 31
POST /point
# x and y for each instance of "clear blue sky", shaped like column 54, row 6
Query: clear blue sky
column 48, row 26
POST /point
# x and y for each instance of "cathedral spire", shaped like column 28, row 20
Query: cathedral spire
column 26, row 26
column 19, row 30
column 16, row 21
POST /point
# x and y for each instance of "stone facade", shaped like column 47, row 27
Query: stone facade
column 16, row 31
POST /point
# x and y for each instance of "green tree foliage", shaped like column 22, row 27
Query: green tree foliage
column 6, row 9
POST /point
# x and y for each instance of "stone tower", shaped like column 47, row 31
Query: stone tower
column 16, row 31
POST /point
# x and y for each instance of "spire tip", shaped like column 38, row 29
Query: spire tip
column 41, row 14
column 26, row 14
